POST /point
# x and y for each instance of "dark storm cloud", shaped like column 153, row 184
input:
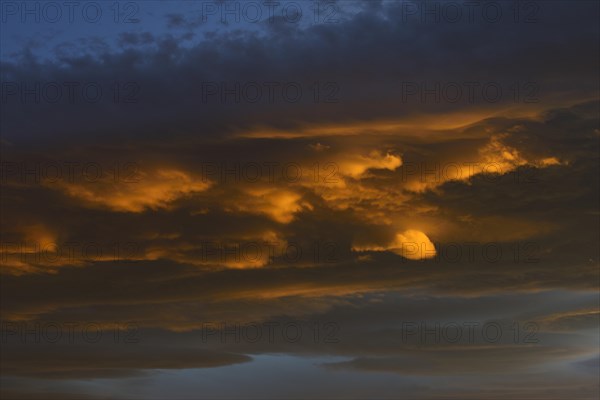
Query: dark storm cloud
column 94, row 361
column 368, row 56
column 382, row 332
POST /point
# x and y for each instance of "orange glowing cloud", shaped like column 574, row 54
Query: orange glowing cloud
column 278, row 204
column 150, row 191
column 243, row 252
column 355, row 165
column 35, row 247
column 494, row 158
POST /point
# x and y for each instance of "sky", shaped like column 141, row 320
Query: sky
column 299, row 199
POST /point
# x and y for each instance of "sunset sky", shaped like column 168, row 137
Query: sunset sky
column 334, row 199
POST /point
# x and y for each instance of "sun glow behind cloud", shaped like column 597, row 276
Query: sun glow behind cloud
column 411, row 244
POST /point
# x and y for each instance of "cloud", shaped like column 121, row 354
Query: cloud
column 151, row 190
column 406, row 207
column 461, row 361
column 90, row 361
column 411, row 244
column 175, row 103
